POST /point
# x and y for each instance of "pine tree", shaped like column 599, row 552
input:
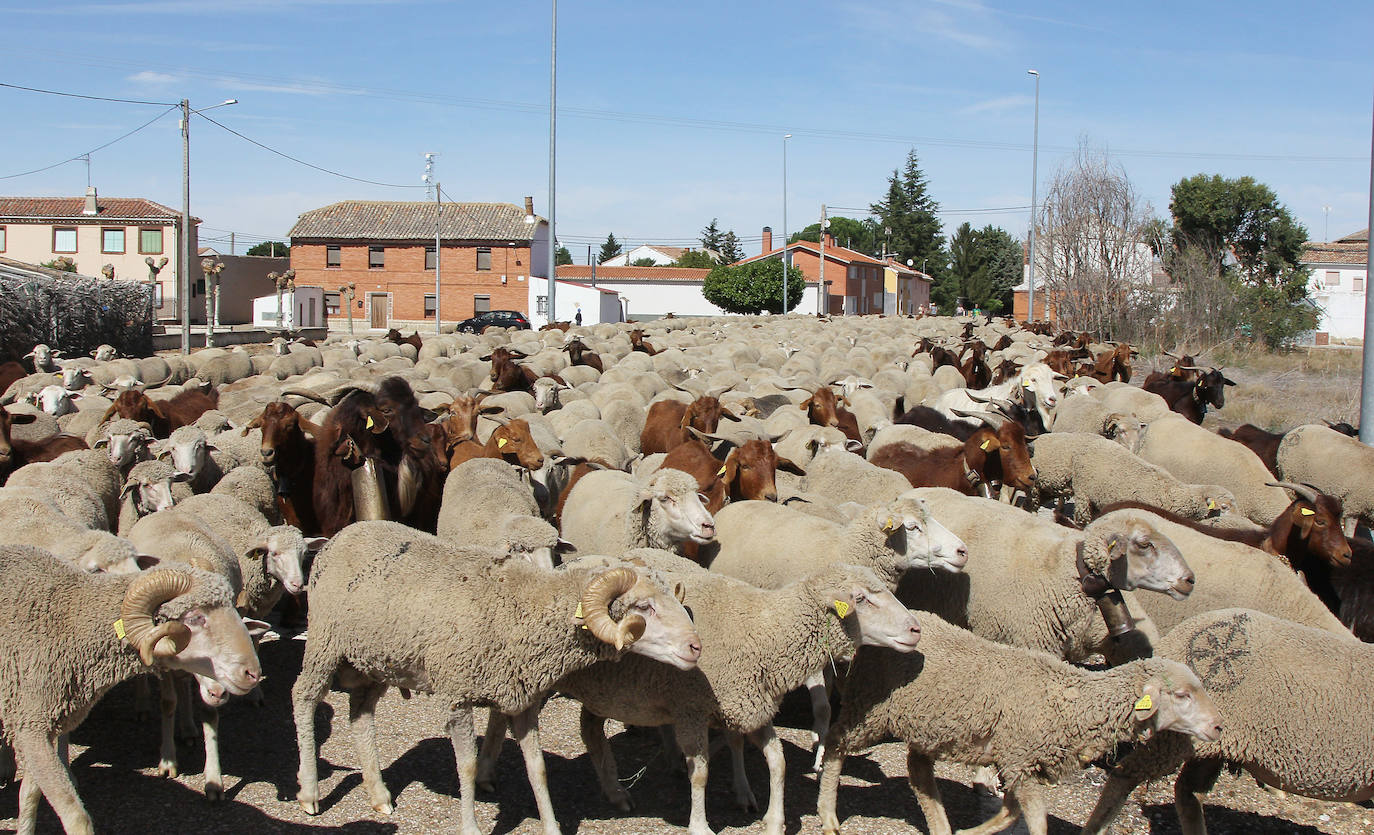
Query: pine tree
column 610, row 249
column 730, row 250
column 711, row 237
column 911, row 214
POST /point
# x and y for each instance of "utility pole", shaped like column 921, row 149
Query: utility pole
column 438, row 226
column 553, row 156
column 821, row 295
column 1035, row 162
column 1367, row 374
column 184, row 256
column 785, row 137
column 231, row 243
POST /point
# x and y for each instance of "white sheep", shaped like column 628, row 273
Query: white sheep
column 253, row 486
column 149, row 487
column 1335, row 464
column 91, row 468
column 127, row 441
column 496, row 632
column 31, row 518
column 1028, row 714
column 488, row 502
column 845, row 477
column 1195, row 455
column 608, row 512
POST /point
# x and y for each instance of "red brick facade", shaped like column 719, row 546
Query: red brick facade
column 405, row 282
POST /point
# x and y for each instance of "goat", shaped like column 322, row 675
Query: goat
column 288, row 453
column 511, row 442
column 394, row 336
column 165, row 415
column 9, row 372
column 16, row 453
column 1262, row 443
column 1191, row 399
column 667, row 424
column 824, row 409
column 637, row 343
column 1114, row 364
column 578, row 354
column 507, row 375
column 990, row 457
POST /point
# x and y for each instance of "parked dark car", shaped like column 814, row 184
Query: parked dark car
column 498, row 318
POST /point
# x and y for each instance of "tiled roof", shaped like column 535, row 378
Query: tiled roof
column 582, row 272
column 382, row 220
column 838, row 253
column 1337, row 252
column 1360, row 237
column 110, row 208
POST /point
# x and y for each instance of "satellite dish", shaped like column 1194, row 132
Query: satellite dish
column 910, row 262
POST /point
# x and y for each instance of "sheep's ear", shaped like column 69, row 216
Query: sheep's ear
column 563, row 546
column 178, row 478
column 1148, row 703
column 23, row 417
column 129, row 488
column 315, row 543
column 491, row 410
column 728, row 415
column 147, row 561
column 257, row 552
column 256, row 628
column 103, row 442
column 853, row 445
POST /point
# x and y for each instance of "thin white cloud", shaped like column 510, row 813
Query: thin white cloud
column 883, row 19
column 202, row 6
column 150, row 77
column 295, row 88
column 1003, row 103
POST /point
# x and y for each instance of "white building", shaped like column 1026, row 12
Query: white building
column 652, row 292
column 662, row 256
column 596, row 304
column 1338, row 284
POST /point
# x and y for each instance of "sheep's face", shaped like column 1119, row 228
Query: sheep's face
column 1125, row 430
column 865, row 605
column 669, row 634
column 105, row 353
column 284, row 553
column 1175, row 701
column 187, row 454
column 151, row 496
column 126, row 450
column 925, row 543
column 220, row 652
column 682, row 513
column 1144, row 558
column 55, row 400
column 107, row 554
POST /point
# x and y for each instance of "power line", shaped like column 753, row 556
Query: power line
column 81, row 96
column 299, row 161
column 93, row 150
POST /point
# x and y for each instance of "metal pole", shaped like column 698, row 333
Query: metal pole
column 438, row 224
column 785, row 137
column 1035, row 162
column 820, row 288
column 184, row 256
column 1367, row 374
column 553, row 146
column 231, row 243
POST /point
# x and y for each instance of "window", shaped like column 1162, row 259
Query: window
column 64, row 239
column 333, row 256
column 1333, row 278
column 150, row 242
column 2, row 239
column 198, row 288
column 483, row 258
column 112, row 240
column 332, row 302
column 430, row 258
column 1358, row 281
column 481, row 304
column 376, row 257
column 431, row 305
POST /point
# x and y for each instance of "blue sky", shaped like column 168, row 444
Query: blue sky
column 671, row 114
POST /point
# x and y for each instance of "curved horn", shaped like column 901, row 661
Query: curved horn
column 1306, row 492
column 146, row 593
column 308, row 395
column 976, row 398
column 985, row 417
column 596, row 602
column 161, row 382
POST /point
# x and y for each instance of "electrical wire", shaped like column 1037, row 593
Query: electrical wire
column 93, row 150
column 300, row 161
column 91, row 98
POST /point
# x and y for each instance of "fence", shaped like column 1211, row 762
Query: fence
column 73, row 315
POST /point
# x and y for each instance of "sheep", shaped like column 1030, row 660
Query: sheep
column 462, row 623
column 763, row 644
column 487, row 502
column 77, row 501
column 1193, row 454
column 253, row 486
column 63, row 655
column 150, row 486
column 1334, row 463
column 1034, row 584
column 1297, row 708
column 32, row 519
column 127, row 441
column 91, row 468
column 188, row 450
column 1030, row 715
column 1095, row 472
column 608, row 512
column 845, row 477
column 596, row 440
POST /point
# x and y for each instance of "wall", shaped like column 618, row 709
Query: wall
column 1342, row 306
column 597, row 305
column 244, row 279
column 302, row 309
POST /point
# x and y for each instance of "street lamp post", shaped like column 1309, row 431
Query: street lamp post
column 785, row 137
column 553, row 145
column 1035, row 162
column 184, row 254
column 1326, row 232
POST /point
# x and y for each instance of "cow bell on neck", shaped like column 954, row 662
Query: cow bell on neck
column 1115, row 614
column 369, row 493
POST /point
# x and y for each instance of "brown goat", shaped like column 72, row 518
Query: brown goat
column 162, row 416
column 16, row 453
column 9, row 372
column 637, row 343
column 986, row 460
column 394, row 336
column 749, row 472
column 578, row 354
column 1114, row 364
column 288, row 453
column 666, row 426
column 511, row 442
column 1263, row 444
column 824, row 409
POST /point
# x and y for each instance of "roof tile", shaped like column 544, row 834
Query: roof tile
column 110, row 208
column 386, row 220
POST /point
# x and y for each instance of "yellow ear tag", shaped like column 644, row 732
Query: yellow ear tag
column 1145, row 703
column 1307, row 511
column 722, row 470
column 1111, row 543
column 369, row 422
column 842, row 609
column 578, row 613
column 985, row 444
column 501, row 442
column 1211, row 504
column 889, row 524
column 1173, row 370
column 119, row 628
column 1026, row 383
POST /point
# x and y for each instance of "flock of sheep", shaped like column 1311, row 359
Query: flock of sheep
column 677, row 528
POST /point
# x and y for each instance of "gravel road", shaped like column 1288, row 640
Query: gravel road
column 115, row 758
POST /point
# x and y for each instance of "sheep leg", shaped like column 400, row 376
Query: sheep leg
column 829, row 788
column 819, row 690
column 1195, row 779
column 492, row 741
column 676, row 762
column 45, row 775
column 603, row 760
column 1031, row 799
column 464, row 741
column 310, row 687
column 766, row 738
column 744, row 795
column 1005, row 817
column 167, row 701
column 525, row 726
column 186, row 719
column 693, row 741
column 8, row 767
column 362, row 707
column 1114, row 795
column 920, row 772
column 143, row 698
column 214, row 780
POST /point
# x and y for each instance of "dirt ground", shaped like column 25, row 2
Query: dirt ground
column 114, row 759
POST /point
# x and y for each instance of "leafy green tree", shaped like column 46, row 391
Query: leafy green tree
column 857, row 235
column 753, row 287
column 562, row 256
column 984, row 265
column 730, row 250
column 610, row 249
column 1258, row 246
column 711, row 236
column 643, row 262
column 695, row 258
column 271, row 249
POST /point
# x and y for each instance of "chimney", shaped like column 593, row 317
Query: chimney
column 529, row 206
column 829, row 240
column 91, row 209
column 767, row 238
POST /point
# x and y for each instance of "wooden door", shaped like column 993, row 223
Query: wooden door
column 380, row 312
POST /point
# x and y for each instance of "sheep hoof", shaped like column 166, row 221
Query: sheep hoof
column 622, row 801
column 167, row 768
column 311, row 807
column 819, row 762
column 746, row 802
column 487, row 786
column 384, row 807
column 214, row 792
column 1275, row 791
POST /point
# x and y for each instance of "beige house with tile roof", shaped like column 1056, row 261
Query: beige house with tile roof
column 1338, row 284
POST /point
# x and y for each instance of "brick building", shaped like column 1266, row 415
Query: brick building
column 489, row 253
column 854, row 283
